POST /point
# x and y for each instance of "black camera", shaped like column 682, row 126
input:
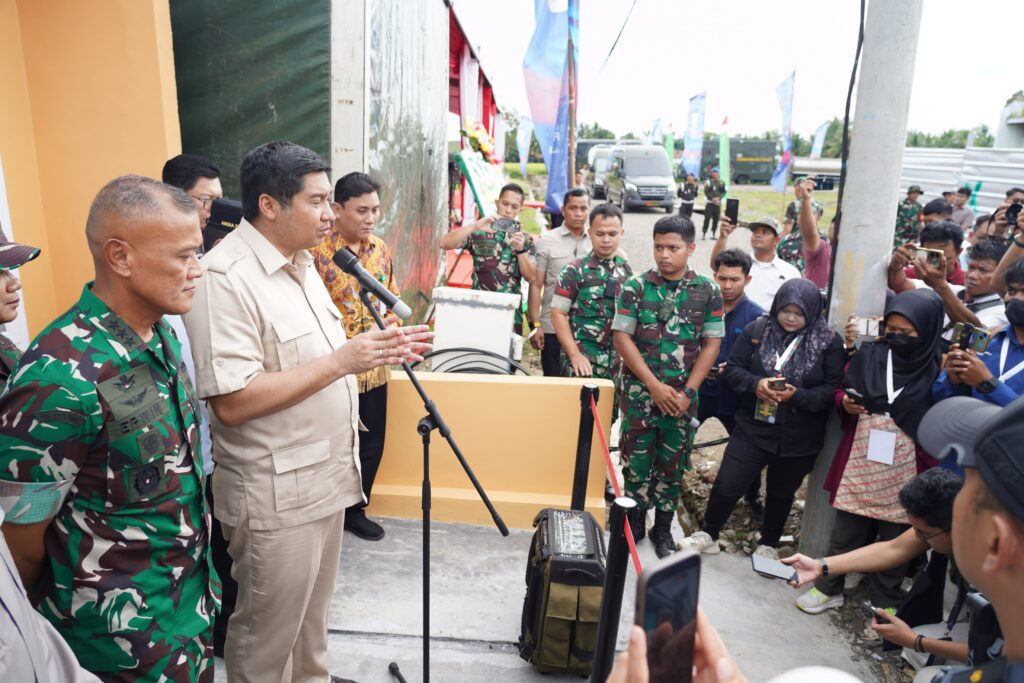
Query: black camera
column 1012, row 213
column 506, row 225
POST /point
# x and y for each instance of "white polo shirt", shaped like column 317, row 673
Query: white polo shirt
column 766, row 278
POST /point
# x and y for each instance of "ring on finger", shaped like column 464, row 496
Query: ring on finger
column 381, row 352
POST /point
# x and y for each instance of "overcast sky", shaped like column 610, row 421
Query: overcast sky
column 968, row 60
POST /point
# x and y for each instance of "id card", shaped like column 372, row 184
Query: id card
column 765, row 412
column 882, row 446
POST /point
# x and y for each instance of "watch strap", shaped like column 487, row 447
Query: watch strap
column 824, row 566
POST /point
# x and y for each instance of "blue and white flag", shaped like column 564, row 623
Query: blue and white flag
column 546, row 72
column 785, row 94
column 524, row 134
column 819, row 141
column 693, row 142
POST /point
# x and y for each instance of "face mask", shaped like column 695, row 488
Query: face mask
column 902, row 342
column 1015, row 312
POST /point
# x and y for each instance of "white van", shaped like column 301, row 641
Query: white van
column 640, row 175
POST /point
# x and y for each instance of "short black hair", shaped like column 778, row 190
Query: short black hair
column 988, row 248
column 942, row 231
column 938, row 206
column 185, row 170
column 680, row 225
column 605, row 211
column 929, row 496
column 574, row 192
column 965, row 191
column 1014, row 274
column 982, row 220
column 734, row 258
column 1014, row 190
column 276, row 169
column 354, row 184
column 512, row 187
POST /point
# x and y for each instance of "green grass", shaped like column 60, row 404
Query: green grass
column 760, row 201
column 532, row 168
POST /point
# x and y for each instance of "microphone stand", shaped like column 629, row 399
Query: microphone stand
column 424, row 428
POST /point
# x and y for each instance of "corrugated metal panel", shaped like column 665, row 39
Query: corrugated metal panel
column 934, row 169
column 997, row 169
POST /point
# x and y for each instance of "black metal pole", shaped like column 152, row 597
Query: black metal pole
column 424, row 428
column 616, row 567
column 583, row 441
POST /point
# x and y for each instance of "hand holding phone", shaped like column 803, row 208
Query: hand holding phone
column 773, row 569
column 874, row 613
column 732, row 210
column 666, row 608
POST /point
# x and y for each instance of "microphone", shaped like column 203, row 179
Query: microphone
column 347, row 261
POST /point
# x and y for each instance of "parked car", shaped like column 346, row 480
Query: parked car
column 640, row 175
column 598, row 169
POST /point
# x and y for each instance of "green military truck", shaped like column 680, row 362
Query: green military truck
column 751, row 161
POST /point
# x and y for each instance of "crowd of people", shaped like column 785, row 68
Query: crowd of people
column 182, row 449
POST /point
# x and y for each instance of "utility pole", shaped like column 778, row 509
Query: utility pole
column 870, row 198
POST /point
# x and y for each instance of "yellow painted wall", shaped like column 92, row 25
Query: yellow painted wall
column 86, row 94
column 517, row 433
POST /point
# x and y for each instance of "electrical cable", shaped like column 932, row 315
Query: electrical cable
column 844, row 153
column 621, row 29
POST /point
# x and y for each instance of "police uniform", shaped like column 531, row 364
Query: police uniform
column 667, row 320
column 713, row 189
column 99, row 431
column 496, row 264
column 688, row 196
column 587, row 290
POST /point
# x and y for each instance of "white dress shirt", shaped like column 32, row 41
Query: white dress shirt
column 766, row 278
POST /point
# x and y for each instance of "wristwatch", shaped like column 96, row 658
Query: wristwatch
column 987, row 385
column 522, row 251
column 690, row 392
column 824, row 566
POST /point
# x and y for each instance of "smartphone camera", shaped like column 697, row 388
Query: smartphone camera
column 505, row 225
column 666, row 608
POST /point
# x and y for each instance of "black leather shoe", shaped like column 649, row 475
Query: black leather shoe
column 357, row 523
column 609, row 491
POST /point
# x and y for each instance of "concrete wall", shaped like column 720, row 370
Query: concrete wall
column 88, row 94
column 517, row 433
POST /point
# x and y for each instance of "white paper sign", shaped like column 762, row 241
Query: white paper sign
column 882, row 446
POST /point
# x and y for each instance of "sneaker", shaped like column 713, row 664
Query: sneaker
column 767, row 551
column 701, row 542
column 816, row 602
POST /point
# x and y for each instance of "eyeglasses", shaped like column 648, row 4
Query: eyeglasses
column 205, row 201
column 924, row 539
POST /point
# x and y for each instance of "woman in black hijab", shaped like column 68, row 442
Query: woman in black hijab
column 888, row 389
column 782, row 429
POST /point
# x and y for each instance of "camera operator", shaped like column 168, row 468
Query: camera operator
column 988, row 526
column 998, row 377
column 501, row 257
column 978, row 303
column 1015, row 252
column 944, row 236
column 928, row 502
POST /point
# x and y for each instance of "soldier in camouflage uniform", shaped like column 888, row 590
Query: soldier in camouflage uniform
column 12, row 255
column 791, row 247
column 501, row 257
column 100, row 463
column 668, row 327
column 908, row 218
column 714, row 190
column 584, row 302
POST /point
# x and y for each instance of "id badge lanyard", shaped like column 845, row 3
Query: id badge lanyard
column 788, row 353
column 891, row 393
column 1004, row 374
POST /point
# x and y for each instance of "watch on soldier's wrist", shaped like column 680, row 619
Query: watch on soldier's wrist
column 690, row 392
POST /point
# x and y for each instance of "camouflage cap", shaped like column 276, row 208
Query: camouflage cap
column 14, row 255
column 915, row 188
column 769, row 223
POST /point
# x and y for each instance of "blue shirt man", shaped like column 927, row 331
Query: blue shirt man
column 996, row 376
column 732, row 273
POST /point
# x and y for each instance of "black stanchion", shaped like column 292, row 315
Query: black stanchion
column 614, row 584
column 583, row 442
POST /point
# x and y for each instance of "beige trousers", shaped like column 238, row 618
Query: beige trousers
column 286, row 577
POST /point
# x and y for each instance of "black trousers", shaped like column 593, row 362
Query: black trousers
column 686, row 209
column 550, row 357
column 222, row 563
column 855, row 531
column 711, row 214
column 742, row 465
column 373, row 413
column 707, row 409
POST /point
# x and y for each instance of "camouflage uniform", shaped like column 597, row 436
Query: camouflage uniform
column 792, row 211
column 791, row 249
column 496, row 264
column 99, row 431
column 10, row 354
column 655, row 448
column 587, row 290
column 908, row 217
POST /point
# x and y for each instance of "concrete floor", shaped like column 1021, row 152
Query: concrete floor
column 477, row 595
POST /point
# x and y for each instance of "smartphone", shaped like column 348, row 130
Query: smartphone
column 732, row 210
column 968, row 336
column 666, row 608
column 869, row 609
column 855, row 396
column 505, row 225
column 773, row 569
column 867, row 327
column 932, row 256
column 777, row 384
